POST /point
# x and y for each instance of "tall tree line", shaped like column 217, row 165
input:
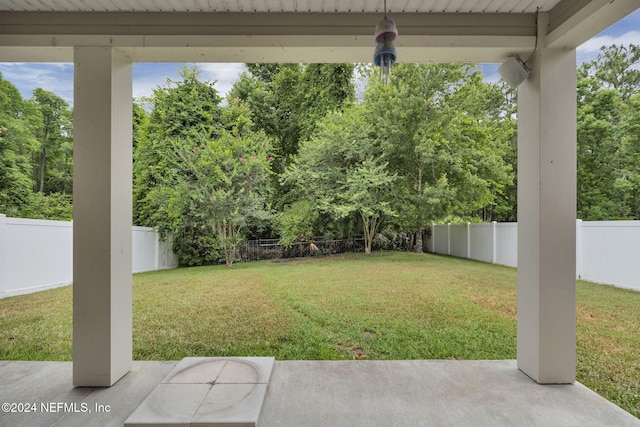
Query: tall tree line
column 292, row 153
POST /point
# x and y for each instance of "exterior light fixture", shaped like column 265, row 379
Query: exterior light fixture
column 385, row 54
column 514, row 71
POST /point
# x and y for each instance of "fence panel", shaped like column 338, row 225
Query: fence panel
column 481, row 244
column 507, row 244
column 610, row 252
column 38, row 254
column 440, row 236
column 144, row 241
column 606, row 251
column 166, row 257
column 459, row 240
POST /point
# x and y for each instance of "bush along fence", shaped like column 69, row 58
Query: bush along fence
column 607, row 252
column 38, row 254
column 256, row 250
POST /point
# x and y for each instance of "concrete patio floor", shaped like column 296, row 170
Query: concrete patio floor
column 328, row 394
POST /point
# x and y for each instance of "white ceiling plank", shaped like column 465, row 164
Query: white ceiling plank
column 19, row 5
column 367, row 6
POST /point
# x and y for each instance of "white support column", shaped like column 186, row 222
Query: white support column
column 546, row 217
column 102, row 203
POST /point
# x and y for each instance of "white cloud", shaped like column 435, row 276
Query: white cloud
column 148, row 77
column 589, row 50
column 144, row 86
column 225, row 75
column 595, row 43
column 52, row 77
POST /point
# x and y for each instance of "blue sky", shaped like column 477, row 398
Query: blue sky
column 58, row 77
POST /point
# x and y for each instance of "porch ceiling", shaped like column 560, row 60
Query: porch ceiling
column 340, row 6
column 296, row 30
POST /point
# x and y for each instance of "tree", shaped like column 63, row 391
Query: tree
column 53, row 170
column 608, row 134
column 436, row 123
column 185, row 113
column 505, row 208
column 221, row 188
column 616, row 68
column 286, row 100
column 227, row 180
column 200, row 170
column 340, row 172
column 598, row 154
column 628, row 183
column 19, row 123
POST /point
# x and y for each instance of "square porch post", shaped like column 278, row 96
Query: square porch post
column 546, row 336
column 102, row 205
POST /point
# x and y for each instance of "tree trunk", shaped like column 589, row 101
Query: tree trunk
column 367, row 236
column 418, row 246
column 43, row 158
column 370, row 226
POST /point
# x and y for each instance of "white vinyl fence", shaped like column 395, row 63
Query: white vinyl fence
column 38, row 254
column 607, row 252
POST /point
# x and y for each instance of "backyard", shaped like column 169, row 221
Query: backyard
column 388, row 305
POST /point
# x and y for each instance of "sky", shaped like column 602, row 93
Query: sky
column 58, row 77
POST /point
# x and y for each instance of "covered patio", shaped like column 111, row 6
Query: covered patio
column 337, row 394
column 103, row 39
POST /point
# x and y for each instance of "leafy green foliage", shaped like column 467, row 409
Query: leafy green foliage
column 296, row 222
column 185, row 114
column 55, row 206
column 447, row 136
column 200, row 171
column 340, row 172
column 196, row 244
column 286, row 101
column 35, row 154
column 440, row 129
column 53, row 169
column 226, row 180
column 609, row 135
column 19, row 123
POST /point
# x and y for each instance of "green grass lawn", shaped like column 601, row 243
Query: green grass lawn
column 383, row 306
